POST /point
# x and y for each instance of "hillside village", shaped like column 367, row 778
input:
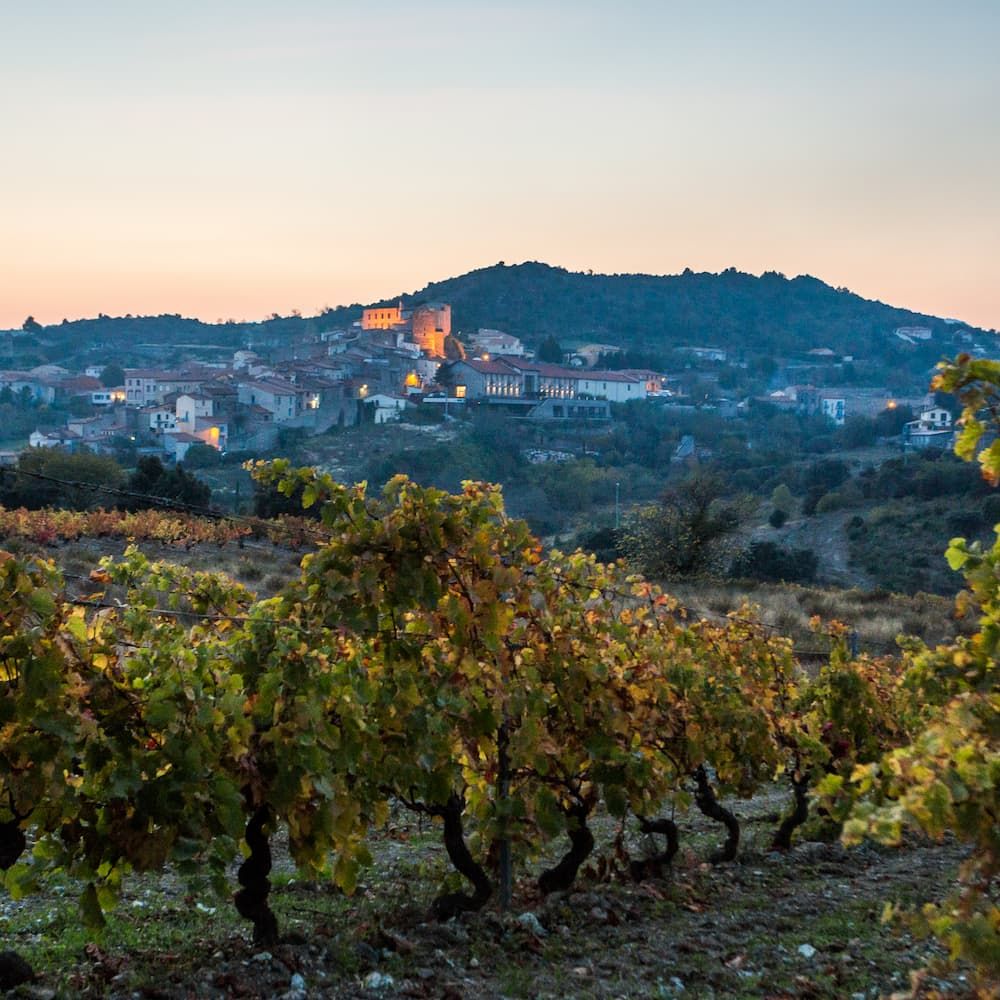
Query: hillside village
column 400, row 356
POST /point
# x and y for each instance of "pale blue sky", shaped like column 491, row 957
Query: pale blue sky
column 233, row 159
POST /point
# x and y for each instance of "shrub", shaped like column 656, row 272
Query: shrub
column 991, row 510
column 856, row 527
column 777, row 518
column 964, row 523
column 774, row 564
column 829, row 502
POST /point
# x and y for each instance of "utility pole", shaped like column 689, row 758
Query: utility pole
column 617, row 506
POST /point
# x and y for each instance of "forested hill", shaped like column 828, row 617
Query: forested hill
column 732, row 310
column 747, row 315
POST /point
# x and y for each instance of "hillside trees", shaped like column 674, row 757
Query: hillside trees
column 31, row 485
column 688, row 532
column 947, row 778
column 152, row 479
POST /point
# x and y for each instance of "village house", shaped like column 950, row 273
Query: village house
column 932, row 429
column 385, row 407
column 279, row 398
column 833, row 407
column 144, row 386
column 178, row 443
column 516, row 379
column 35, row 386
column 159, row 418
column 108, row 397
column 493, row 342
column 59, row 437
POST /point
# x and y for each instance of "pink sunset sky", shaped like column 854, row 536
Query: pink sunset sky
column 233, row 159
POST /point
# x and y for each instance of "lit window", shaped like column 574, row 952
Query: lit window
column 460, row 392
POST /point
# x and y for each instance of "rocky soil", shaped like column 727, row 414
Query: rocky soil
column 806, row 924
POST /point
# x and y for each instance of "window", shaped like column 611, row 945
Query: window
column 460, row 392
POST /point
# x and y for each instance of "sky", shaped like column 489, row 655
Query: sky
column 233, row 159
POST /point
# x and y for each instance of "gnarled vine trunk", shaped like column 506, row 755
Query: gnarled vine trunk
column 12, row 843
column 581, row 840
column 652, row 867
column 251, row 901
column 14, row 970
column 452, row 903
column 799, row 814
column 710, row 806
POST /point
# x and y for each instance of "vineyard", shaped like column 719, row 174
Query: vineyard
column 166, row 527
column 433, row 669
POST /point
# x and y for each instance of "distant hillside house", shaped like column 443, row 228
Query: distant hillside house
column 494, row 342
column 704, row 353
column 427, row 325
column 385, row 406
column 24, row 382
column 931, row 430
column 834, row 408
column 588, row 354
column 59, row 438
column 652, row 380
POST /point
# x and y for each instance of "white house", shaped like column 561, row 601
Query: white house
column 515, row 378
column 161, row 418
column 62, row 437
column 493, row 342
column 387, row 407
column 616, row 387
column 936, row 416
column 834, row 408
column 108, row 397
column 932, row 430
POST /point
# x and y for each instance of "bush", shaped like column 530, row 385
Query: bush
column 45, row 477
column 965, row 523
column 202, row 456
column 812, row 498
column 856, row 527
column 162, row 485
column 777, row 518
column 782, row 498
column 773, row 564
column 829, row 502
column 991, row 510
column 603, row 542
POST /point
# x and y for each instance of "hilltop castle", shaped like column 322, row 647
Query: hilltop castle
column 426, row 325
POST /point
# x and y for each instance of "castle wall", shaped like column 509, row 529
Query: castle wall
column 431, row 324
column 382, row 318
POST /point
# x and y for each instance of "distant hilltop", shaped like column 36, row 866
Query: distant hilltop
column 732, row 311
column 740, row 314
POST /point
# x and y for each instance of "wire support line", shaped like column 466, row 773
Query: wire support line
column 268, row 526
column 177, row 506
